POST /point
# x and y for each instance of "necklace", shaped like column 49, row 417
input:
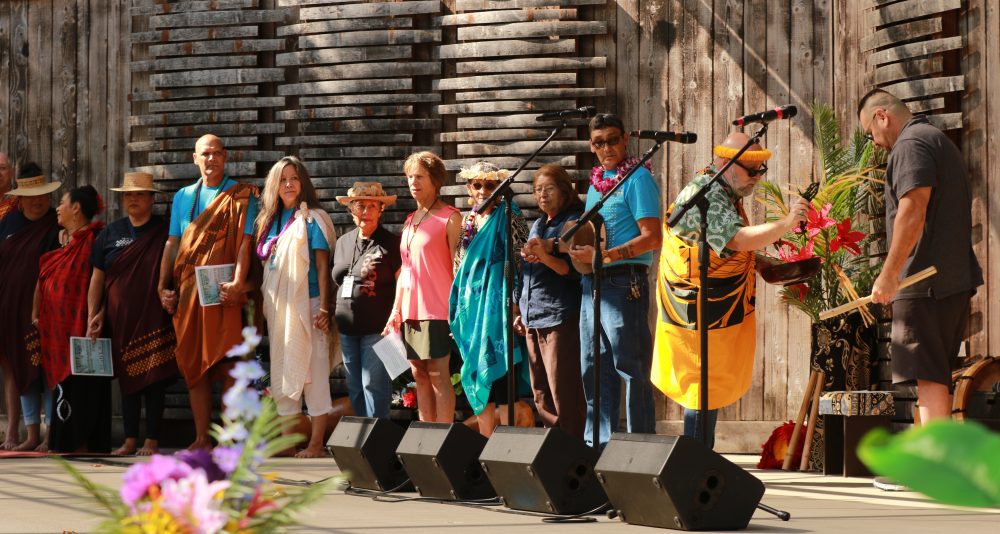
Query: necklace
column 416, row 224
column 604, row 184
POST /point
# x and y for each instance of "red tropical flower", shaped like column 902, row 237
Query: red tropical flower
column 846, row 238
column 409, row 399
column 789, row 252
column 772, row 454
column 817, row 221
column 803, row 290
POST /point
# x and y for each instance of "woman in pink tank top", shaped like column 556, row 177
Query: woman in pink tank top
column 420, row 312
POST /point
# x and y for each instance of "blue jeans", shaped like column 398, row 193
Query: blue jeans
column 626, row 351
column 368, row 385
column 692, row 425
column 32, row 400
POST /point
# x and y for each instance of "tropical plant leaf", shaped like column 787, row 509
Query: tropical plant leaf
column 950, row 462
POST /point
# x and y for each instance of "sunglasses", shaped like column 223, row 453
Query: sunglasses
column 753, row 172
column 871, row 124
column 601, row 143
column 479, row 186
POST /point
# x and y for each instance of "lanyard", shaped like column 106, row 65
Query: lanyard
column 197, row 196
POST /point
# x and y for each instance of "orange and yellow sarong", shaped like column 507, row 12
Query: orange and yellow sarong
column 732, row 329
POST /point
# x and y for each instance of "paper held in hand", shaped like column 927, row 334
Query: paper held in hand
column 208, row 278
column 392, row 352
column 90, row 358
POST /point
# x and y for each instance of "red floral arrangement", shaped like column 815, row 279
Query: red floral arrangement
column 409, row 399
column 773, row 452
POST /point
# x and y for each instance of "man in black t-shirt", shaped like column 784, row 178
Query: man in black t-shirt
column 928, row 222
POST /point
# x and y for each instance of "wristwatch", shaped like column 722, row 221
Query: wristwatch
column 555, row 244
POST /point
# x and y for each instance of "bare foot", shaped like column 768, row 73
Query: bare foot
column 149, row 448
column 312, row 452
column 201, row 442
column 11, row 443
column 28, row 445
column 43, row 446
column 127, row 448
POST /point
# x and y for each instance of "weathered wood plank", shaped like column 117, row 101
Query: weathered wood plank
column 6, row 61
column 531, row 64
column 346, row 86
column 240, row 128
column 356, row 166
column 507, row 15
column 912, row 50
column 343, row 25
column 506, row 80
column 65, row 81
column 145, row 95
column 344, row 55
column 522, row 147
column 342, row 112
column 195, row 117
column 505, row 106
column 369, row 38
column 925, row 105
column 216, row 18
column 188, row 171
column 946, row 121
column 481, row 5
column 216, row 104
column 294, row 3
column 926, row 87
column 222, row 46
column 905, row 69
column 371, row 10
column 344, row 139
column 193, row 63
column 232, row 156
column 507, row 48
column 188, row 144
column 370, row 70
column 215, row 77
column 370, row 98
column 511, row 163
column 518, row 134
column 532, row 30
column 909, row 10
column 194, row 34
column 39, row 40
column 397, row 152
column 153, row 7
column 901, row 32
column 526, row 94
column 507, row 121
column 369, row 125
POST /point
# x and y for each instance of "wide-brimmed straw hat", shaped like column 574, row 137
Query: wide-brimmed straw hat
column 32, row 183
column 367, row 191
column 483, row 171
column 137, row 181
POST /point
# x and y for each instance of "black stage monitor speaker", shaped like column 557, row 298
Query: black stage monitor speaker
column 365, row 450
column 542, row 470
column 676, row 482
column 442, row 460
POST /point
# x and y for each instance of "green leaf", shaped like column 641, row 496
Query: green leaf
column 950, row 462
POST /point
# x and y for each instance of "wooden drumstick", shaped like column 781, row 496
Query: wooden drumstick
column 793, row 443
column 813, row 414
column 855, row 304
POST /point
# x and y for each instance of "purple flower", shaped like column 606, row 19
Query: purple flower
column 140, row 477
column 204, row 460
column 227, row 458
column 247, row 371
column 241, row 402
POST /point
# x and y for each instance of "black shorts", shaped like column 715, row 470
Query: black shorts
column 926, row 336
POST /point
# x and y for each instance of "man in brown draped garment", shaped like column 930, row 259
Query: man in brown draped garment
column 211, row 222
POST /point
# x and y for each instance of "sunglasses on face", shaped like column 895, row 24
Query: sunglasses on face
column 753, row 172
column 479, row 186
column 871, row 124
column 601, row 143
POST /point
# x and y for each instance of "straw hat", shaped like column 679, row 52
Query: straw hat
column 367, row 191
column 483, row 171
column 32, row 183
column 137, row 181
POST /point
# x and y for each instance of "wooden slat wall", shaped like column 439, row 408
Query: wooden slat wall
column 72, row 79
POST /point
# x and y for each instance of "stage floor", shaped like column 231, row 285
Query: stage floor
column 37, row 496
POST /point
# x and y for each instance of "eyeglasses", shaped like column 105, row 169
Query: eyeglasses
column 868, row 133
column 480, row 185
column 753, row 172
column 601, row 143
column 358, row 207
column 546, row 191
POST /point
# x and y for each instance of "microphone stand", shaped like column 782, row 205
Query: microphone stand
column 505, row 193
column 699, row 199
column 593, row 216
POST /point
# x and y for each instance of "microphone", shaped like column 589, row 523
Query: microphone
column 764, row 117
column 585, row 112
column 660, row 136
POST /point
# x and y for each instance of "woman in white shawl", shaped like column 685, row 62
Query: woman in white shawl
column 294, row 239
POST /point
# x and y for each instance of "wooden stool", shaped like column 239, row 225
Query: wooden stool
column 847, row 416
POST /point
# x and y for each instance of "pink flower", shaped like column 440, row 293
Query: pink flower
column 789, row 252
column 196, row 501
column 140, row 477
column 846, row 238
